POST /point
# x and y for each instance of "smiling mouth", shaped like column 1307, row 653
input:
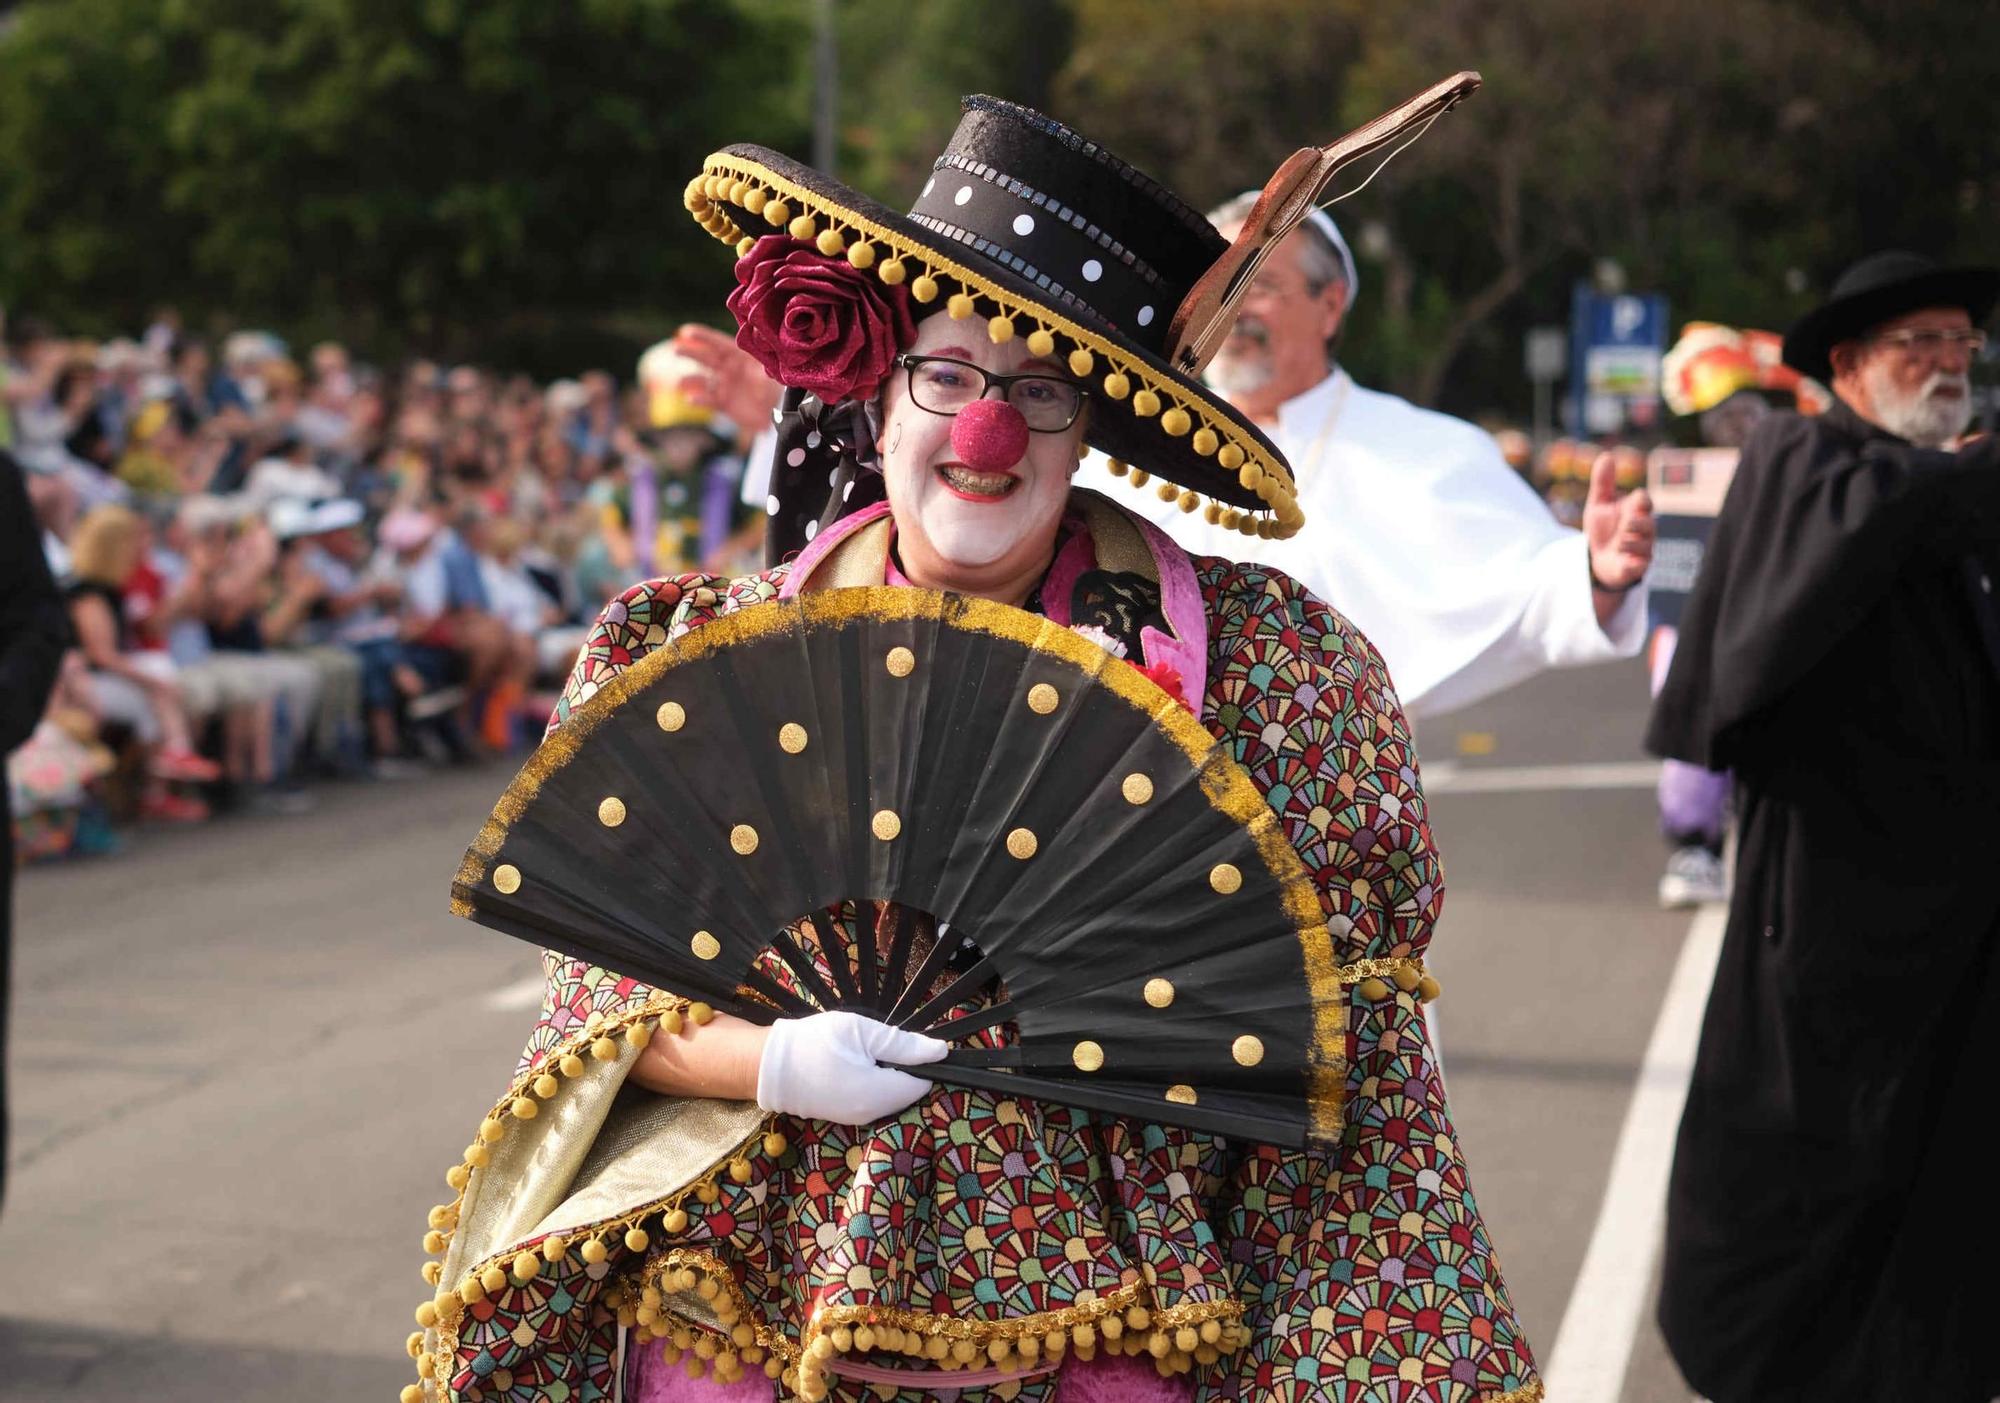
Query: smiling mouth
column 975, row 486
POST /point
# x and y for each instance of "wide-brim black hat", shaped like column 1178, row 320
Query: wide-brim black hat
column 1041, row 233
column 1879, row 288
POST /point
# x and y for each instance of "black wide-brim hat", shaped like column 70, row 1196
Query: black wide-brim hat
column 1880, row 288
column 1041, row 233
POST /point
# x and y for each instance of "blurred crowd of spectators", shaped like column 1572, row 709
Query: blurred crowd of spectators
column 281, row 568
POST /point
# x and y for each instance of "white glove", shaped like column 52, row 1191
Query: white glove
column 823, row 1067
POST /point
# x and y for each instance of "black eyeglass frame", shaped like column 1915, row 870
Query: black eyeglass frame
column 909, row 361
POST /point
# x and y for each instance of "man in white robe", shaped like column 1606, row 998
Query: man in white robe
column 1416, row 528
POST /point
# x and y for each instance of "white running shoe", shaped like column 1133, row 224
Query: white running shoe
column 1694, row 877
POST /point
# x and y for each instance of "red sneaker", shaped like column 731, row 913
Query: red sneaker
column 186, row 765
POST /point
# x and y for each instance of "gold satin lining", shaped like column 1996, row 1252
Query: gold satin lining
column 649, row 1146
column 856, row 560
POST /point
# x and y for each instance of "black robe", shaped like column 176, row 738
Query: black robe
column 1832, row 1227
column 34, row 630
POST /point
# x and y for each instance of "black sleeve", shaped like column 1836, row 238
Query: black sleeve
column 1814, row 532
column 34, row 625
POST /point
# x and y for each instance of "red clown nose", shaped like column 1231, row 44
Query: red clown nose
column 989, row 436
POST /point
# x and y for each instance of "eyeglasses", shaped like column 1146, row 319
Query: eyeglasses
column 1931, row 343
column 941, row 385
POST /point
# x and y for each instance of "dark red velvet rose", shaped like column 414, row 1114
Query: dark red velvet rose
column 818, row 323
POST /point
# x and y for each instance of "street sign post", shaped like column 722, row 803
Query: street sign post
column 1545, row 355
column 1616, row 344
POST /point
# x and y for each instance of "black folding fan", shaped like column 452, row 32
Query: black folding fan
column 1106, row 881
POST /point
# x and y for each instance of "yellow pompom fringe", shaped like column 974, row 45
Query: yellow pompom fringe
column 1119, row 1322
column 1375, row 980
column 732, row 181
column 435, row 1345
column 1178, row 1339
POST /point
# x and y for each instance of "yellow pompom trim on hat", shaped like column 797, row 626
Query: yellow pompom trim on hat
column 731, row 182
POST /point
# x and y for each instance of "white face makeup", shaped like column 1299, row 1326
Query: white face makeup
column 960, row 529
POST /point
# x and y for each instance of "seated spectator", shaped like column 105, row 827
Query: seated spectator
column 296, row 597
column 53, row 778
column 355, row 609
column 132, row 688
column 450, row 633
column 189, row 564
column 240, row 589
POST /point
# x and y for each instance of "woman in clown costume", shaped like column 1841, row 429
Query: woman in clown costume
column 674, row 1206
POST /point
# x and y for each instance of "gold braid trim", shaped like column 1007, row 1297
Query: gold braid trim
column 1377, row 979
column 1178, row 1338
column 1177, row 410
column 435, row 1346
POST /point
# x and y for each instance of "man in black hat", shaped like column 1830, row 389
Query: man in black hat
column 1830, row 1233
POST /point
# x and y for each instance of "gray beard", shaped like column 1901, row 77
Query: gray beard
column 1238, row 375
column 1924, row 418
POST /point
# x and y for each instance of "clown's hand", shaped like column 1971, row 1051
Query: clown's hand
column 824, row 1068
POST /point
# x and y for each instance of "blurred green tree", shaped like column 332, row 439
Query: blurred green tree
column 491, row 176
column 444, row 173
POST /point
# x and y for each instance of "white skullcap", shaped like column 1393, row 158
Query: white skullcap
column 1322, row 222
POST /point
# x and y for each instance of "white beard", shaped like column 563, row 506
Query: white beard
column 1238, row 375
column 1925, row 418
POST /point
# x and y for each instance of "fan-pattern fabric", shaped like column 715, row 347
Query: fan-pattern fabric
column 1362, row 1270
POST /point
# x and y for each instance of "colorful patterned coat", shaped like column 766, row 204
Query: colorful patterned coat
column 1011, row 1231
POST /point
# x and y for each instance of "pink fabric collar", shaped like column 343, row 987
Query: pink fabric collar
column 1184, row 649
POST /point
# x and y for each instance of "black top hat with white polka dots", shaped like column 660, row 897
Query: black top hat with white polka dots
column 1043, row 234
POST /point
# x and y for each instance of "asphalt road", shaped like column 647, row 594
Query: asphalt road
column 243, row 1057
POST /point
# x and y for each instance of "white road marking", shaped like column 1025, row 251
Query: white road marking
column 1594, row 1345
column 1451, row 777
column 511, row 998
